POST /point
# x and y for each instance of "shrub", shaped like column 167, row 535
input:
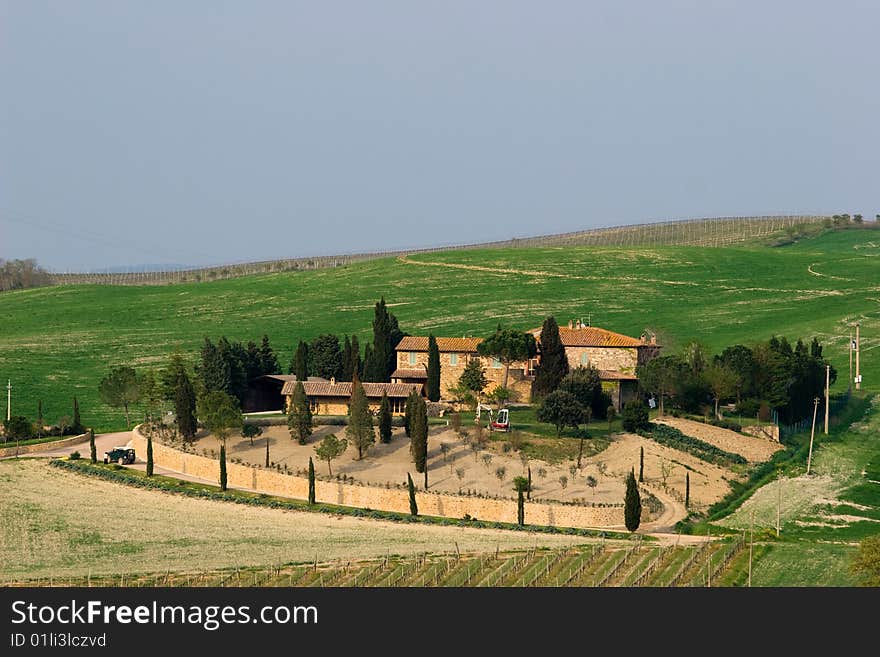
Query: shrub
column 635, row 416
column 748, row 407
column 74, row 456
column 18, row 427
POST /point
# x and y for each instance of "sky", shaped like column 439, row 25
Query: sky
column 207, row 132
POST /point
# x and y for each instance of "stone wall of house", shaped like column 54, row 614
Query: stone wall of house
column 339, row 406
column 518, row 380
column 621, row 359
column 373, row 497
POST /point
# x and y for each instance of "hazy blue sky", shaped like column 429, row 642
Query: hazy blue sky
column 206, row 132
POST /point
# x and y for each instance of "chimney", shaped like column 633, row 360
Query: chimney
column 653, row 339
column 332, row 380
column 571, row 323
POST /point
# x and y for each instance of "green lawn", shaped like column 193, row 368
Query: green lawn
column 58, row 342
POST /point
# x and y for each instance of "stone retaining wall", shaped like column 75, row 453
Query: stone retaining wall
column 43, row 447
column 254, row 478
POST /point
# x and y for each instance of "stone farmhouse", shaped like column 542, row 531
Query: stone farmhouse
column 616, row 356
column 332, row 397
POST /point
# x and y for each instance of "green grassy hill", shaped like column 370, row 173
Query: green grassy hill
column 58, row 342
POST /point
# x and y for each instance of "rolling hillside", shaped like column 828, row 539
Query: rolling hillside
column 57, row 342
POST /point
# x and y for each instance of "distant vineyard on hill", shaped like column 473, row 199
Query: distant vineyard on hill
column 715, row 232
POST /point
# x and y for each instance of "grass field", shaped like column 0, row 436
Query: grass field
column 58, row 342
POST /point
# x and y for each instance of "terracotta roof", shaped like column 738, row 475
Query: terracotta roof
column 289, row 377
column 343, row 389
column 461, row 345
column 613, row 375
column 592, row 336
column 418, row 373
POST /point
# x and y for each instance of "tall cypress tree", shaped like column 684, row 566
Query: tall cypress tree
column 554, row 363
column 345, row 374
column 632, row 503
column 360, row 422
column 93, row 452
column 77, row 426
column 149, row 455
column 419, row 436
column 311, row 481
column 432, row 387
column 687, row 489
column 386, row 335
column 385, row 419
column 413, row 507
column 299, row 417
column 267, row 451
column 299, row 365
column 223, row 466
column 185, row 406
column 357, row 365
column 408, row 413
column 641, row 464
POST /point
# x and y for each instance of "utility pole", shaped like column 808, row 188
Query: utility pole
column 858, row 349
column 778, row 498
column 8, row 400
column 709, row 560
column 827, row 393
column 852, row 348
column 751, row 543
column 812, row 433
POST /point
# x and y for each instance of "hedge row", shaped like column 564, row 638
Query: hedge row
column 125, row 476
column 672, row 437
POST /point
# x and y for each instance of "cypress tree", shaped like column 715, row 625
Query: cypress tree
column 223, row 467
column 368, row 362
column 357, row 366
column 185, row 406
column 432, row 387
column 149, row 455
column 299, row 365
column 268, row 361
column 520, row 485
column 687, row 489
column 77, row 421
column 408, row 413
column 413, row 507
column 311, row 481
column 641, row 464
column 554, row 363
column 529, row 489
column 214, row 368
column 632, row 503
column 385, row 419
column 386, row 335
column 419, row 437
column 93, row 453
column 267, row 451
column 299, row 417
column 40, row 420
column 346, row 372
column 360, row 422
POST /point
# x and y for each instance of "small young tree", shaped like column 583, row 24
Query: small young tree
column 149, row 455
column 223, row 465
column 419, row 437
column 432, row 386
column 611, row 414
column 632, row 504
column 561, row 409
column 299, row 416
column 723, row 382
column 312, row 480
column 93, row 452
column 687, row 489
column 120, row 389
column 251, row 431
column 330, row 448
column 501, row 472
column 582, row 435
column 413, row 507
column 360, row 422
column 385, row 419
column 455, row 422
column 592, row 482
column 220, row 414
column 563, row 481
column 635, row 416
column 500, row 396
column 64, row 423
column 520, row 485
column 473, row 377
column 641, row 464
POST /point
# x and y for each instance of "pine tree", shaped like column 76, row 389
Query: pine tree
column 413, row 507
column 77, row 421
column 223, row 466
column 299, row 416
column 93, row 452
column 554, row 362
column 214, row 369
column 267, row 358
column 641, row 464
column 235, row 356
column 325, row 357
column 311, row 481
column 360, row 421
column 299, row 365
column 632, row 503
column 185, row 406
column 419, row 437
column 252, row 365
column 473, row 377
column 149, row 456
column 687, row 489
column 385, row 419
